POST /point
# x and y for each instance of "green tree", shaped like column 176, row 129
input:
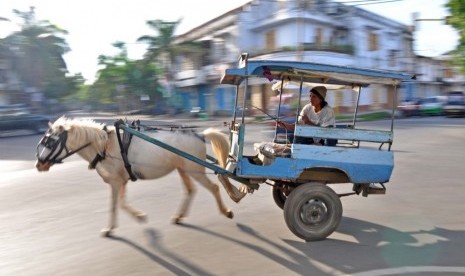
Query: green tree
column 457, row 20
column 4, row 49
column 37, row 56
column 124, row 81
column 163, row 50
column 162, row 47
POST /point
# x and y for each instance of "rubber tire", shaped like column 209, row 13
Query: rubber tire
column 278, row 197
column 323, row 196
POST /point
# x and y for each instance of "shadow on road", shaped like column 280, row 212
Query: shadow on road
column 170, row 261
column 161, row 261
column 372, row 245
column 378, row 246
column 300, row 266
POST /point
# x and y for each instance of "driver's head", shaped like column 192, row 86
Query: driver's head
column 319, row 91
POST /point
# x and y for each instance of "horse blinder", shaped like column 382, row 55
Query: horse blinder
column 51, row 143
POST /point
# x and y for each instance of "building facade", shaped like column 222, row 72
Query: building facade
column 10, row 92
column 311, row 31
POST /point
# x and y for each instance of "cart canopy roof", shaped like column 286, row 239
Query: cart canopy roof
column 308, row 72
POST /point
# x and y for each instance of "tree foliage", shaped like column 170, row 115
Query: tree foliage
column 162, row 48
column 36, row 54
column 457, row 20
column 124, row 80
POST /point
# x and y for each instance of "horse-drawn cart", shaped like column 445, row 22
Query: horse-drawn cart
column 312, row 210
column 298, row 173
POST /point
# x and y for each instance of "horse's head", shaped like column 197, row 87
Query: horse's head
column 66, row 137
column 52, row 147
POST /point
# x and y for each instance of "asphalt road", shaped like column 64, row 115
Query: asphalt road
column 50, row 222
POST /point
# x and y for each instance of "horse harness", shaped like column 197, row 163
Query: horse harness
column 124, row 140
column 57, row 144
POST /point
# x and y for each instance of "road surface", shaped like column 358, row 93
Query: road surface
column 50, row 222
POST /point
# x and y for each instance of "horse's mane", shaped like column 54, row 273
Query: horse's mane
column 78, row 122
column 85, row 130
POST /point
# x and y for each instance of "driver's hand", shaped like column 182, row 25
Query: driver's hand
column 306, row 120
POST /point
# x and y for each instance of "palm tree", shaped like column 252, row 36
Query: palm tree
column 123, row 80
column 3, row 46
column 38, row 54
column 162, row 48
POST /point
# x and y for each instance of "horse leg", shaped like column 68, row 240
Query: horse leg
column 115, row 187
column 215, row 190
column 235, row 194
column 190, row 191
column 135, row 213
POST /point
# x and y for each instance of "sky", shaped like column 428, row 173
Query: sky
column 94, row 25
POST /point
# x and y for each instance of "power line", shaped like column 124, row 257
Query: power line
column 355, row 2
column 367, row 2
column 358, row 1
column 379, row 2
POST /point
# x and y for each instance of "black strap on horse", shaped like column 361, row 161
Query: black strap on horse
column 99, row 157
column 124, row 143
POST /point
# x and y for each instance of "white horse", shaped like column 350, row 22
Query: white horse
column 98, row 144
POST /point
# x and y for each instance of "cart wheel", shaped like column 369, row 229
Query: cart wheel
column 279, row 196
column 312, row 211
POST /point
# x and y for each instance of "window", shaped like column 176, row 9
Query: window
column 270, row 42
column 392, row 58
column 448, row 73
column 318, row 37
column 3, row 78
column 342, row 36
column 372, row 41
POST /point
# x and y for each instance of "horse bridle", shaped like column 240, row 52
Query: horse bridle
column 56, row 144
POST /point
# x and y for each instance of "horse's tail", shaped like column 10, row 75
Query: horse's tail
column 220, row 146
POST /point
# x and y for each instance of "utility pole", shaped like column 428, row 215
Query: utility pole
column 302, row 7
column 415, row 20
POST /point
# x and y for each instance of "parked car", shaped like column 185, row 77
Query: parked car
column 19, row 117
column 409, row 108
column 431, row 105
column 455, row 105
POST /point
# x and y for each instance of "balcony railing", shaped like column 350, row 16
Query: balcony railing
column 338, row 48
column 342, row 48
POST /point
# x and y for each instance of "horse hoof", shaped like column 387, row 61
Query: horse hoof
column 141, row 218
column 105, row 233
column 229, row 214
column 176, row 220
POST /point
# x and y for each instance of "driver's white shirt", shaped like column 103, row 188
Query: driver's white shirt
column 324, row 118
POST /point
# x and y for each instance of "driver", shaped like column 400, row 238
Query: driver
column 315, row 113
